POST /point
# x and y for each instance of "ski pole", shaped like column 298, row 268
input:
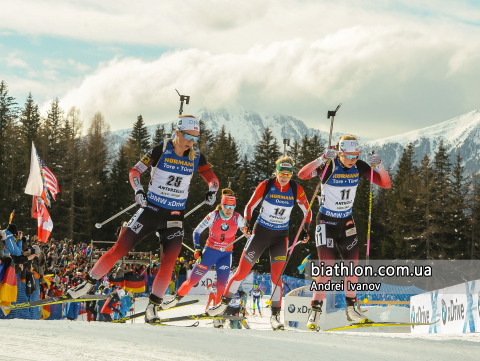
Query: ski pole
column 228, row 245
column 194, row 209
column 99, row 225
column 331, row 113
column 370, row 210
column 368, row 232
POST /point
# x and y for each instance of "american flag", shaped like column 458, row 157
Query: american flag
column 49, row 179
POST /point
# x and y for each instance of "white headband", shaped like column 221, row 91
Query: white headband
column 349, row 146
column 188, row 123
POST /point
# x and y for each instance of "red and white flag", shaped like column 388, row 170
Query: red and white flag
column 41, row 179
column 45, row 224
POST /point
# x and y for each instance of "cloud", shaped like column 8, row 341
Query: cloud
column 395, row 65
column 12, row 60
column 371, row 69
column 223, row 25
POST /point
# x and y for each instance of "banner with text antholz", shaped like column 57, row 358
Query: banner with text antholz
column 454, row 309
column 201, row 287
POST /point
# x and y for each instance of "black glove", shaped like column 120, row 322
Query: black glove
column 210, row 197
column 248, row 228
column 141, row 198
column 304, row 237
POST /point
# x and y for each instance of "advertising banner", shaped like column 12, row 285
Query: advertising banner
column 454, row 309
column 200, row 287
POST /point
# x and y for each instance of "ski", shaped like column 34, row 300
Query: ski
column 200, row 316
column 164, row 324
column 378, row 324
column 54, row 300
column 140, row 314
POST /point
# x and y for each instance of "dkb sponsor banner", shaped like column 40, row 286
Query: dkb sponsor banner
column 200, row 287
column 296, row 309
column 453, row 309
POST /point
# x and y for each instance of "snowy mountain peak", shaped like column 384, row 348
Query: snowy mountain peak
column 460, row 136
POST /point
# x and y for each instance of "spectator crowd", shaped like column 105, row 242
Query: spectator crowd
column 49, row 269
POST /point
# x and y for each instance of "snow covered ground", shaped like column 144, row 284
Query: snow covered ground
column 67, row 340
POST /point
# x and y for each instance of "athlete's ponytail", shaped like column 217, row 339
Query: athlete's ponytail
column 225, row 192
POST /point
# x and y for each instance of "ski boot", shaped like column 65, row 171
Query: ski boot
column 217, row 323
column 254, row 312
column 314, row 316
column 275, row 319
column 151, row 314
column 352, row 314
column 83, row 288
column 220, row 308
column 172, row 302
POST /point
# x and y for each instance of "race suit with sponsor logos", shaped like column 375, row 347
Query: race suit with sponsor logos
column 270, row 230
column 256, row 294
column 164, row 213
column 221, row 233
column 212, row 293
column 335, row 225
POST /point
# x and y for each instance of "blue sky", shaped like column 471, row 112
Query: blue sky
column 396, row 66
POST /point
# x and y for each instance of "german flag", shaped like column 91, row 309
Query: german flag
column 134, row 284
column 119, row 281
column 8, row 283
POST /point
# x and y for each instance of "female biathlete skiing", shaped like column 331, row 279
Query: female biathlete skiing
column 223, row 224
column 335, row 224
column 173, row 163
column 270, row 230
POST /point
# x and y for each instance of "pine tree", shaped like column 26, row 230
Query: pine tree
column 8, row 115
column 54, row 123
column 159, row 135
column 30, row 119
column 404, row 187
column 458, row 224
column 424, row 204
column 441, row 211
column 266, row 154
column 139, row 138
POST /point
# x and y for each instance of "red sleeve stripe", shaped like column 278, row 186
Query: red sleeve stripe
column 255, row 200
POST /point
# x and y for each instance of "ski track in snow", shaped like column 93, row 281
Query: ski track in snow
column 67, row 340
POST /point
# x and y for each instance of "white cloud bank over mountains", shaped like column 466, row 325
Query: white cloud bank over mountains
column 394, row 67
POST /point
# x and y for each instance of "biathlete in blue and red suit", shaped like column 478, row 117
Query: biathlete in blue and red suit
column 335, row 224
column 173, row 163
column 278, row 195
column 223, row 224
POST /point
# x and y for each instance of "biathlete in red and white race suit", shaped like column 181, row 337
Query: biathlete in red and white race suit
column 270, row 230
column 173, row 164
column 212, row 292
column 223, row 224
column 335, row 224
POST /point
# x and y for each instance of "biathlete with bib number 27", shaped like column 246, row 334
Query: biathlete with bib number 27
column 335, row 224
column 173, row 163
column 278, row 196
column 223, row 224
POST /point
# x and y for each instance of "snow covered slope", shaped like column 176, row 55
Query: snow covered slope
column 67, row 340
column 460, row 136
column 245, row 126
